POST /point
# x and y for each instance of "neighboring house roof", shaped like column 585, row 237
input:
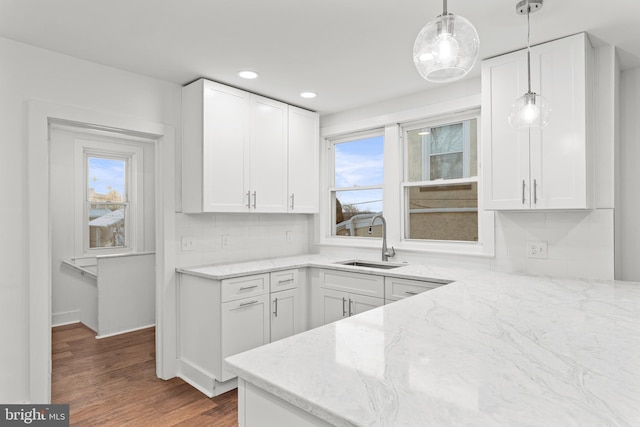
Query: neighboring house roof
column 356, row 221
column 113, row 217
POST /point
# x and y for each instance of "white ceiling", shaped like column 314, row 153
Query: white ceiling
column 351, row 52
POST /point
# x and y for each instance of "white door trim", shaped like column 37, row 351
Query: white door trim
column 38, row 298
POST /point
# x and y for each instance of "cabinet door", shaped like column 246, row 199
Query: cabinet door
column 505, row 152
column 559, row 151
column 268, row 155
column 303, row 161
column 333, row 305
column 285, row 314
column 225, row 142
column 245, row 325
column 361, row 303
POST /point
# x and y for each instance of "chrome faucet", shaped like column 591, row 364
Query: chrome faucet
column 385, row 253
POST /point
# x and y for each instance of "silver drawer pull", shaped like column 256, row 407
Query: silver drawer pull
column 411, row 292
column 285, row 281
column 244, row 288
column 275, row 310
column 248, row 303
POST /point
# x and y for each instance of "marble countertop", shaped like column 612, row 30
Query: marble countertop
column 408, row 271
column 490, row 349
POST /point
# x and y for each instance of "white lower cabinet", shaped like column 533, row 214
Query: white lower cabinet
column 340, row 294
column 220, row 318
column 245, row 325
column 285, row 314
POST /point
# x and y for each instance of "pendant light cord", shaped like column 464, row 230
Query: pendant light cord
column 528, row 48
column 444, row 7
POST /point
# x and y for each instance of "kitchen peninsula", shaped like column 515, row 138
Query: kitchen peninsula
column 489, row 349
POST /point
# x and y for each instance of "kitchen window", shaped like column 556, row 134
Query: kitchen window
column 356, row 180
column 440, row 185
column 109, row 186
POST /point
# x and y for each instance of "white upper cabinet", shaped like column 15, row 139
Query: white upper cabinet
column 303, row 161
column 268, row 155
column 246, row 153
column 216, row 123
column 539, row 169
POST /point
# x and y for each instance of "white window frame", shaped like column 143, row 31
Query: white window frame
column 330, row 144
column 485, row 243
column 134, row 215
column 393, row 171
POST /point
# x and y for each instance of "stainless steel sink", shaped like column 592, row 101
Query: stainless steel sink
column 371, row 264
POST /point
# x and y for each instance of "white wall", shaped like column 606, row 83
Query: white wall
column 628, row 232
column 29, row 73
column 580, row 244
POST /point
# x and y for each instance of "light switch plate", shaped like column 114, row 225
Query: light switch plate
column 188, row 243
column 537, row 249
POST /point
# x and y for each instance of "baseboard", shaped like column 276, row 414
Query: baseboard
column 65, row 318
column 125, row 331
column 203, row 381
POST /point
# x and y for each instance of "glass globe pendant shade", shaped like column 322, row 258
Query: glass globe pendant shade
column 529, row 111
column 446, row 49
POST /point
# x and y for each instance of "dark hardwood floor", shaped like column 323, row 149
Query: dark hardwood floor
column 112, row 382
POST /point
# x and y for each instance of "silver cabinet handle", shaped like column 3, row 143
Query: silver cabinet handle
column 243, row 304
column 292, row 200
column 254, row 199
column 275, row 310
column 285, row 281
column 350, row 312
column 523, row 191
column 411, row 292
column 244, row 288
column 344, row 310
column 249, row 199
column 535, row 192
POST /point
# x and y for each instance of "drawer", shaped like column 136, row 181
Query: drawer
column 357, row 283
column 243, row 287
column 283, row 280
column 397, row 289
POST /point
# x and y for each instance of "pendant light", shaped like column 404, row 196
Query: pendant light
column 447, row 48
column 530, row 110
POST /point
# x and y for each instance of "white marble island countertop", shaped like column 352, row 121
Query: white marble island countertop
column 491, row 350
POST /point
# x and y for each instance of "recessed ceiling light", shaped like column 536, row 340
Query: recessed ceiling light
column 246, row 74
column 308, row 94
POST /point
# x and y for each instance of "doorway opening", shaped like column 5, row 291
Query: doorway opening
column 38, row 302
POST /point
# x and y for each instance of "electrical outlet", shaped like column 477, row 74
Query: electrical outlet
column 537, row 249
column 188, row 243
column 225, row 240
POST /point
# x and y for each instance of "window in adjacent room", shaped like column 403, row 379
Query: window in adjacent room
column 356, row 183
column 107, row 202
column 109, row 189
column 441, row 180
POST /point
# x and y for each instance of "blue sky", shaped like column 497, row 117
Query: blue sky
column 359, row 163
column 105, row 173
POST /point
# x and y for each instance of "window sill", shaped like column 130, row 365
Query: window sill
column 444, row 248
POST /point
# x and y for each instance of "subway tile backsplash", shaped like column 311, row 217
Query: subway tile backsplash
column 248, row 236
column 580, row 243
